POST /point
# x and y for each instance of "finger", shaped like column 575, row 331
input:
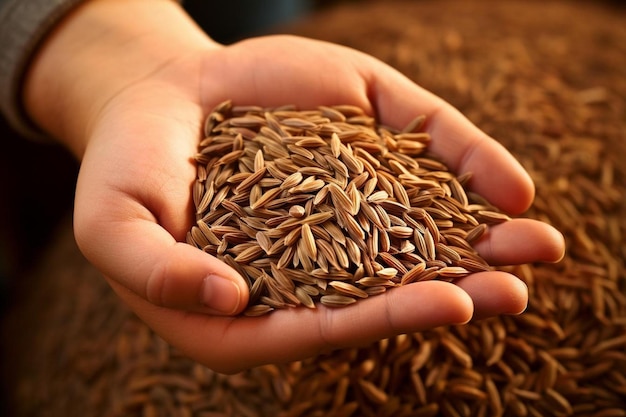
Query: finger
column 133, row 204
column 303, row 72
column 521, row 241
column 145, row 258
column 232, row 344
column 495, row 293
column 496, row 174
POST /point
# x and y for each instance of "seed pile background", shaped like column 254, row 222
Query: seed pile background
column 326, row 205
column 545, row 78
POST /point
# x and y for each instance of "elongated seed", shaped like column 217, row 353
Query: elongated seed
column 281, row 191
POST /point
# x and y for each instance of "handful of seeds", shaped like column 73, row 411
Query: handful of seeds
column 325, row 205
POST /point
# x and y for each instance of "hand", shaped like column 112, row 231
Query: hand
column 131, row 106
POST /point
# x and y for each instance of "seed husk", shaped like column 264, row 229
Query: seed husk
column 327, row 194
column 336, row 300
column 348, row 289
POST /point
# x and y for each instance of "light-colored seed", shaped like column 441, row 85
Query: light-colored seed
column 321, row 197
column 247, row 121
column 378, row 196
column 348, row 289
column 308, row 185
column 325, row 249
column 387, row 273
column 297, row 122
column 401, row 232
column 336, row 300
column 296, row 211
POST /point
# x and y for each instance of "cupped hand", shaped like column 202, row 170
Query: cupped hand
column 133, row 199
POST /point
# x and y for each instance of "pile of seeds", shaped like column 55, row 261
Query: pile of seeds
column 554, row 93
column 326, row 205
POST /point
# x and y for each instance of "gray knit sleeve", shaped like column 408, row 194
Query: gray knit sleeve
column 23, row 25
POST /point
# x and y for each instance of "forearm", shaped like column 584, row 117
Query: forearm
column 23, row 24
column 98, row 50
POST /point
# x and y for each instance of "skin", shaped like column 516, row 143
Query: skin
column 126, row 84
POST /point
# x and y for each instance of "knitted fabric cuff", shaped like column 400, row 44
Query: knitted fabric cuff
column 24, row 24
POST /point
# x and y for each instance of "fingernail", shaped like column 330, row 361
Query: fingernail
column 221, row 294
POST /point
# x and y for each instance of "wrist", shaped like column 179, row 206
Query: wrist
column 97, row 51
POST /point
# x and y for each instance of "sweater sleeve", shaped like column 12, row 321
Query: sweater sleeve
column 23, row 25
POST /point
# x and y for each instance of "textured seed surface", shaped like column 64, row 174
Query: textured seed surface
column 550, row 90
column 330, row 193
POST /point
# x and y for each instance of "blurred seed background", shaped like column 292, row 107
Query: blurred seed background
column 37, row 179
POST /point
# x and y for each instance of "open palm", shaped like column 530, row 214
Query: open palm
column 133, row 204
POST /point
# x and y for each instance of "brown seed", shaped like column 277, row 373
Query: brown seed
column 375, row 282
column 467, row 392
column 453, row 272
column 372, row 392
column 292, row 192
column 457, row 352
column 492, row 216
column 336, row 300
column 476, row 233
column 341, row 200
column 411, row 275
column 258, row 310
column 348, row 289
column 309, row 241
column 304, row 297
column 558, row 401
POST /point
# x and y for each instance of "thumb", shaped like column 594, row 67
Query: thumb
column 143, row 257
